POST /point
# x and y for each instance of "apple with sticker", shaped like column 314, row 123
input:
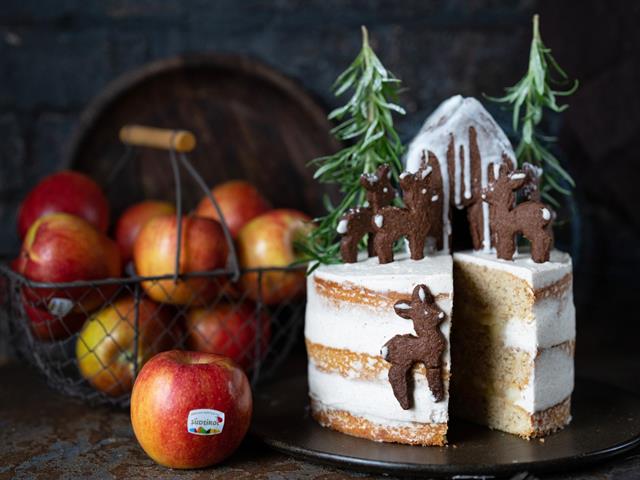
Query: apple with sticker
column 190, row 409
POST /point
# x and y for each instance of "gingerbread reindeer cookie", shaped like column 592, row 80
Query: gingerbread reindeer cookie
column 403, row 351
column 356, row 223
column 530, row 218
column 422, row 195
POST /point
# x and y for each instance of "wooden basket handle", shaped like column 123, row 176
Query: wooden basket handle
column 163, row 138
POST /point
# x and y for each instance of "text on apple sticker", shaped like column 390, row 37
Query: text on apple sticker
column 205, row 421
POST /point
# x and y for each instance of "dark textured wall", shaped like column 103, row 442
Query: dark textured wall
column 55, row 56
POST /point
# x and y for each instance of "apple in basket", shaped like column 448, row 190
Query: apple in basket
column 64, row 248
column 238, row 331
column 133, row 219
column 49, row 326
column 239, row 202
column 105, row 349
column 269, row 241
column 203, row 248
column 68, row 192
column 190, row 409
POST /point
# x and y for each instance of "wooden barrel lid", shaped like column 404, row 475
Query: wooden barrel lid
column 250, row 122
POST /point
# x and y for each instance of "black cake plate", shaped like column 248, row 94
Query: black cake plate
column 606, row 423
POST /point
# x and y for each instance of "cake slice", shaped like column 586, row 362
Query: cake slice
column 513, row 342
column 350, row 317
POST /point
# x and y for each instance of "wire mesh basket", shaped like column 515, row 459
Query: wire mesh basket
column 90, row 338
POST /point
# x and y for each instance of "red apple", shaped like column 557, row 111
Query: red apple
column 190, row 409
column 133, row 219
column 68, row 192
column 239, row 201
column 230, row 330
column 268, row 241
column 64, row 248
column 48, row 326
column 203, row 248
column 106, row 347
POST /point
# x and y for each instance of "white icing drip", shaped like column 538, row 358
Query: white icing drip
column 517, row 176
column 403, row 175
column 378, row 220
column 456, row 174
column 486, row 230
column 426, row 172
column 496, row 170
column 384, row 351
column 403, row 306
column 446, row 224
column 421, row 294
column 434, row 198
column 342, row 226
column 467, row 173
column 454, row 117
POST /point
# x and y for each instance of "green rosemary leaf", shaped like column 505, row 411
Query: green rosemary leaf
column 366, row 124
column 529, row 98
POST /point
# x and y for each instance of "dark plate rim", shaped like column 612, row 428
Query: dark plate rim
column 381, row 466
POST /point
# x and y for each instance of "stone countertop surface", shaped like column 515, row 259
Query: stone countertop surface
column 47, row 435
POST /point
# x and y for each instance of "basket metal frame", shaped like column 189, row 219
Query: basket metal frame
column 38, row 351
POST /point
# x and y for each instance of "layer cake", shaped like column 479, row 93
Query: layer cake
column 349, row 318
column 513, row 335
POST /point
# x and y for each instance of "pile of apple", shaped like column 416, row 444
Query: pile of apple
column 64, row 224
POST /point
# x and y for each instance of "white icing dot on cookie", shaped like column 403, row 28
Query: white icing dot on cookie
column 342, row 226
column 546, row 214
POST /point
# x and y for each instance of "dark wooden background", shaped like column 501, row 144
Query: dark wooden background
column 55, row 56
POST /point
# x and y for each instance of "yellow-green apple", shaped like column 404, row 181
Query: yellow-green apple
column 133, row 219
column 239, row 202
column 60, row 247
column 238, row 331
column 68, row 192
column 203, row 248
column 268, row 241
column 190, row 409
column 106, row 347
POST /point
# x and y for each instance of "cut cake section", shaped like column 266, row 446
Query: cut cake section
column 514, row 342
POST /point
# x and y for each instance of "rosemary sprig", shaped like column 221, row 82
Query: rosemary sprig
column 366, row 125
column 534, row 92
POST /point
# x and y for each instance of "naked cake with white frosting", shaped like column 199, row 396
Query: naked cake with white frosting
column 350, row 317
column 377, row 329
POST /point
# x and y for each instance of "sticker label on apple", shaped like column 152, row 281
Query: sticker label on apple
column 205, row 421
column 60, row 306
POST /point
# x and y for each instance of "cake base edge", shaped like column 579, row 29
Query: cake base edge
column 425, row 434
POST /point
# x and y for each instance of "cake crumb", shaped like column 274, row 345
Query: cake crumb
column 541, row 440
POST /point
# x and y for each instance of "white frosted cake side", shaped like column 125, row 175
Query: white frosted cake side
column 349, row 318
column 514, row 342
